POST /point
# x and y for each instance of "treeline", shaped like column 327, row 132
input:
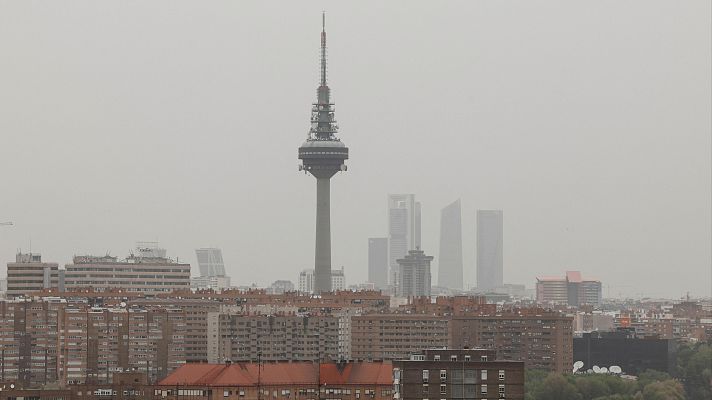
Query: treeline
column 693, row 372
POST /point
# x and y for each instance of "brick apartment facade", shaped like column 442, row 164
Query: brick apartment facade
column 458, row 374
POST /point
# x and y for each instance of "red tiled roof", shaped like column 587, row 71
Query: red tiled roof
column 298, row 373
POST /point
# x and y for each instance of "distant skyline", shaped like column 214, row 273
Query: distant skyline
column 177, row 122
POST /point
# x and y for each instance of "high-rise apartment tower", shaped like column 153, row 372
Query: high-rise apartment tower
column 323, row 155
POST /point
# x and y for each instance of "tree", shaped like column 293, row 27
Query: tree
column 533, row 378
column 665, row 390
column 650, row 376
column 556, row 387
column 592, row 387
column 697, row 373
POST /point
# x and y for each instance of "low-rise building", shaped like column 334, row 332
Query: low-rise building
column 458, row 374
column 283, row 380
column 29, row 274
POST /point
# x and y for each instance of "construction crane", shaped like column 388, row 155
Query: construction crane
column 6, row 224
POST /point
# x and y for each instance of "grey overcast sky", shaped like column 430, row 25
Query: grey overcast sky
column 588, row 123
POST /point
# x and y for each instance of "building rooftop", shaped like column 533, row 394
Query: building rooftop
column 279, row 373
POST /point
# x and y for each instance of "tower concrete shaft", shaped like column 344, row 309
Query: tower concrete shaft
column 322, row 255
column 323, row 155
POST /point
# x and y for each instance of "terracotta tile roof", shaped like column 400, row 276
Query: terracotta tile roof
column 298, row 373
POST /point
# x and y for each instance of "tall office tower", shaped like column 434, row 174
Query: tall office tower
column 29, row 274
column 450, row 262
column 323, row 155
column 210, row 262
column 414, row 274
column 403, row 230
column 490, row 238
column 378, row 262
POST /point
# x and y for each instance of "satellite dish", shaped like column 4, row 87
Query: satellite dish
column 578, row 364
column 604, row 370
column 588, row 371
column 615, row 369
column 597, row 369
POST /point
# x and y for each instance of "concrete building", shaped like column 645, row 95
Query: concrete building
column 396, row 336
column 281, row 286
column 541, row 339
column 29, row 274
column 233, row 336
column 378, row 262
column 414, row 274
column 458, row 374
column 403, row 230
column 307, row 280
column 210, row 282
column 144, row 272
column 450, row 260
column 323, row 155
column 284, row 380
column 490, row 241
column 569, row 290
column 593, row 321
column 210, row 262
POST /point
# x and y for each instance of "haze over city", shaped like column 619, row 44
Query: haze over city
column 179, row 122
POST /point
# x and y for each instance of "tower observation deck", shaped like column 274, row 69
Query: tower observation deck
column 323, row 155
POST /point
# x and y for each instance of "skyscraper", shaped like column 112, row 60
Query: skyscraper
column 403, row 229
column 210, row 262
column 378, row 262
column 450, row 260
column 490, row 238
column 414, row 274
column 323, row 155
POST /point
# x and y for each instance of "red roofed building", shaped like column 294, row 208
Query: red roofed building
column 279, row 380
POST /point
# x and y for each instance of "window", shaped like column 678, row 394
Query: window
column 501, row 391
column 443, row 375
column 426, row 375
column 483, row 358
column 226, row 393
column 467, row 358
column 484, row 375
column 453, row 358
column 501, row 374
column 483, row 390
column 436, row 357
column 443, row 389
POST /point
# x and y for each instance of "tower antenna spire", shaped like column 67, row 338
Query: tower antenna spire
column 323, row 48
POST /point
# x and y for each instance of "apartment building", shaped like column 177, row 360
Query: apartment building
column 396, row 336
column 458, row 374
column 284, row 380
column 234, row 336
column 28, row 342
column 96, row 343
column 540, row 338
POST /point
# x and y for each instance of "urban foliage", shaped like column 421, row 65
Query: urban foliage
column 651, row 385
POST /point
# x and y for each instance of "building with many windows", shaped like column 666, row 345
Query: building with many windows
column 29, row 274
column 570, row 290
column 450, row 257
column 144, row 272
column 457, row 374
column 414, row 274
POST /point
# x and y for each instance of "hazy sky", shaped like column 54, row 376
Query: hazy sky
column 588, row 123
